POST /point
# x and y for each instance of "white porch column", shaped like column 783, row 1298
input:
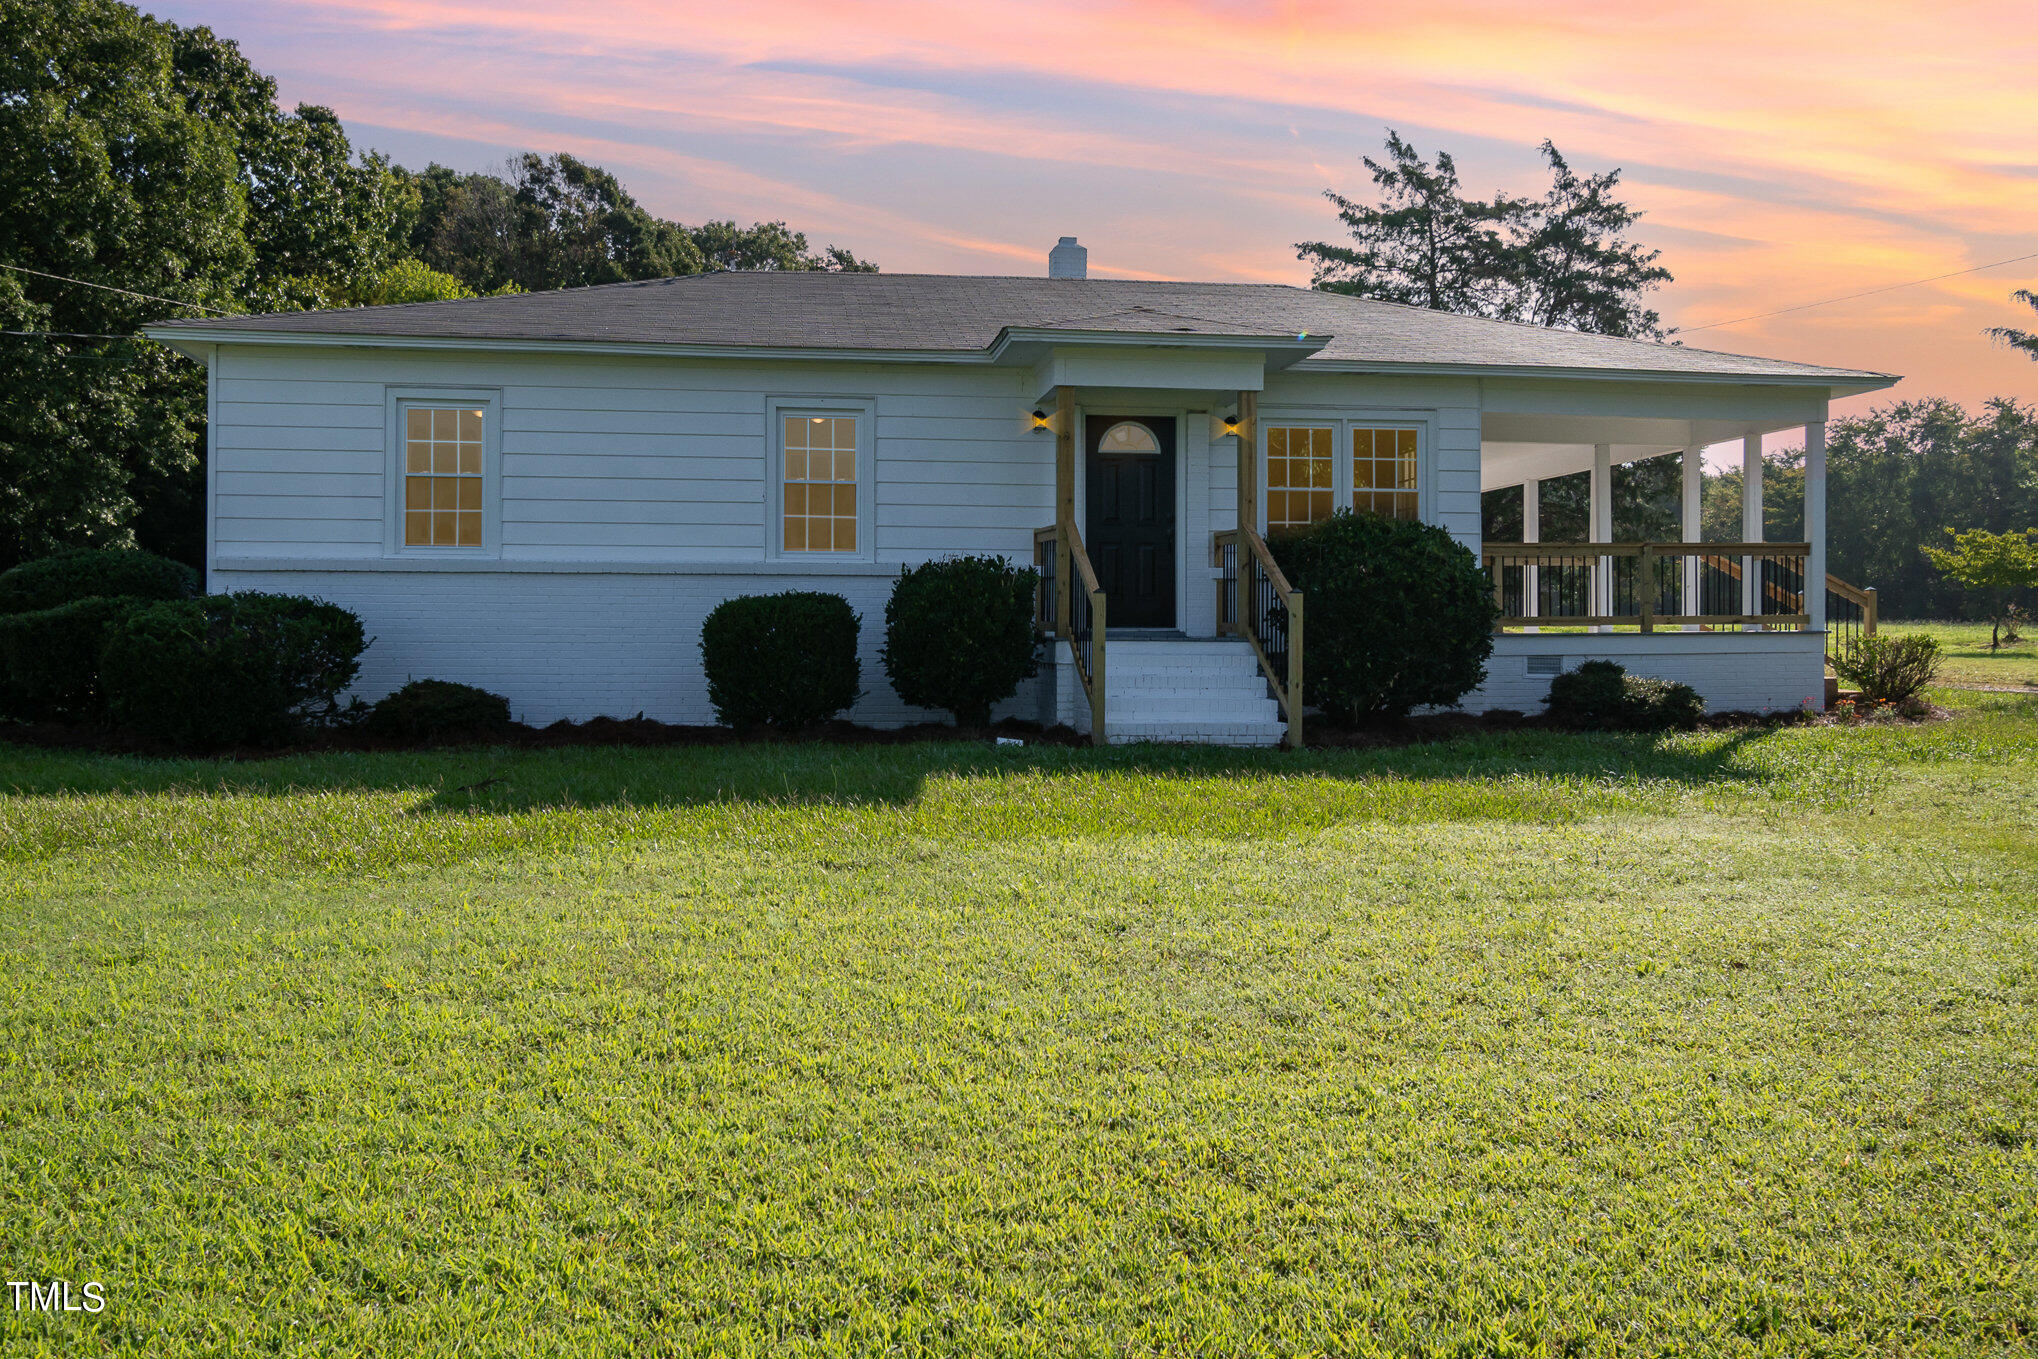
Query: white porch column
column 1815, row 524
column 1751, row 526
column 1531, row 532
column 1600, row 507
column 1691, row 519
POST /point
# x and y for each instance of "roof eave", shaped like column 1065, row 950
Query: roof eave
column 1842, row 382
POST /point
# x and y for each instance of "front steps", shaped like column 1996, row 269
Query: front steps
column 1204, row 691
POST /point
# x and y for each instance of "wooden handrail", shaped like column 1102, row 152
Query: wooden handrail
column 1090, row 668
column 1081, row 558
column 1287, row 687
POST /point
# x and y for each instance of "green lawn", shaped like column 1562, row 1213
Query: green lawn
column 1521, row 1044
column 1966, row 658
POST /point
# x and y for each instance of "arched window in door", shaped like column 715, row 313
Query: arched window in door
column 1128, row 436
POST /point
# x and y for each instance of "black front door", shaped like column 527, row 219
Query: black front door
column 1131, row 517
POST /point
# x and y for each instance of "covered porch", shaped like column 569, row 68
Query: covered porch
column 1614, row 583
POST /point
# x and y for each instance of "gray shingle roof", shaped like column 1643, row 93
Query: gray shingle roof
column 962, row 312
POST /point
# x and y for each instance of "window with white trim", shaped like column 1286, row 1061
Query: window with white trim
column 443, row 475
column 1314, row 466
column 823, row 456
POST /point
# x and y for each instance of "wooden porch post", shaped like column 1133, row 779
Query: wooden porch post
column 1064, row 504
column 1249, row 461
column 1751, row 527
column 1531, row 532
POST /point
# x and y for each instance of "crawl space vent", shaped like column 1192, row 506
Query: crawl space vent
column 1546, row 665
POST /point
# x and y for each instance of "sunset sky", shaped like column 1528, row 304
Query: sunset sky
column 1784, row 152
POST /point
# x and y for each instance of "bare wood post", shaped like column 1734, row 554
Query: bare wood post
column 1097, row 735
column 1868, row 610
column 1531, row 532
column 1064, row 507
column 1645, row 587
column 1249, row 461
column 1295, row 672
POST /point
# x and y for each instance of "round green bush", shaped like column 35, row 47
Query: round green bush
column 426, row 709
column 1890, row 669
column 240, row 669
column 1396, row 615
column 960, row 635
column 89, row 573
column 1603, row 696
column 786, row 660
column 49, row 659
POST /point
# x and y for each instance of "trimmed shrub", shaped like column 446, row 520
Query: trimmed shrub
column 241, row 669
column 786, row 660
column 1396, row 615
column 93, row 573
column 49, row 659
column 1890, row 669
column 426, row 709
column 1602, row 695
column 959, row 635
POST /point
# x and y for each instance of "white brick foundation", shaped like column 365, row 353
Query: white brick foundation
column 1733, row 671
column 581, row 644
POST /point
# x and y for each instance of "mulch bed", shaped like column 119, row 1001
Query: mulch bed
column 644, row 732
column 596, row 731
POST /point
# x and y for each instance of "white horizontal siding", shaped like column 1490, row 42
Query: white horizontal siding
column 623, row 458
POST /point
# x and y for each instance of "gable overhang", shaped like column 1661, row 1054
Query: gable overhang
column 1157, row 360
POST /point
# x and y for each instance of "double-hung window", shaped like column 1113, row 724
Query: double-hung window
column 1314, row 466
column 442, row 471
column 822, row 504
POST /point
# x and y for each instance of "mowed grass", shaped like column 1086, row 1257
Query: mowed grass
column 1965, row 657
column 1522, row 1044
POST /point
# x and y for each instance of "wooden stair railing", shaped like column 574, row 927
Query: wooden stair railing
column 1256, row 602
column 1851, row 614
column 1075, row 615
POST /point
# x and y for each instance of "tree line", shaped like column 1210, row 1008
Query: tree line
column 153, row 161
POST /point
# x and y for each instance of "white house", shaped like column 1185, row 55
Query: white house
column 545, row 494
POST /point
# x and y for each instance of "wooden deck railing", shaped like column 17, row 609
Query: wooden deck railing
column 1256, row 602
column 1649, row 585
column 1076, row 615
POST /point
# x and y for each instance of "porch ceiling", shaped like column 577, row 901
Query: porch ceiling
column 1516, row 447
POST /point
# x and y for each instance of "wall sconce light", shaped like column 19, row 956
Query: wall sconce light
column 1231, row 422
column 1040, row 420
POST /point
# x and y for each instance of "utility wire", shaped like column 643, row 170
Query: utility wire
column 107, row 288
column 1715, row 325
column 63, row 335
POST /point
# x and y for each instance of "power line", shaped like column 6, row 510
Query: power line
column 108, row 288
column 63, row 335
column 1715, row 325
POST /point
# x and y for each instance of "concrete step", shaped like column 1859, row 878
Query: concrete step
column 1204, row 733
column 1178, row 689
